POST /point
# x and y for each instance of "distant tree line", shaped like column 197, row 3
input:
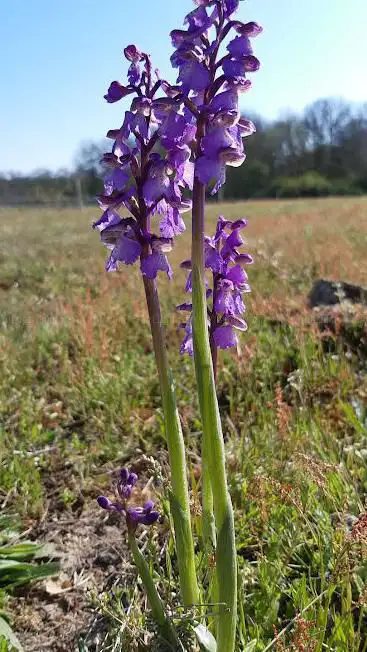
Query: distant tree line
column 321, row 152
column 64, row 187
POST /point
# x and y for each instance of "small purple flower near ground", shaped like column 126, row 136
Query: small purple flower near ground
column 134, row 515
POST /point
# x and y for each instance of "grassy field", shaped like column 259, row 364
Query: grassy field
column 80, row 397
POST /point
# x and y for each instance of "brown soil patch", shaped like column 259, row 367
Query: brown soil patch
column 49, row 616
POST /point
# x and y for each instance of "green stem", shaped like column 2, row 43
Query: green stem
column 208, row 523
column 209, row 534
column 156, row 605
column 180, row 505
column 212, row 432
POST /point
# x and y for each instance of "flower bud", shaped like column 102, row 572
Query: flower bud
column 250, row 29
column 251, row 63
column 132, row 54
column 116, row 92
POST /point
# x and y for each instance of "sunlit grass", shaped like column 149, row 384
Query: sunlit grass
column 79, row 388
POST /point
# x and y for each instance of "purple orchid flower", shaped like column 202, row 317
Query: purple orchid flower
column 126, row 242
column 187, row 344
column 134, row 74
column 220, row 147
column 171, row 223
column 198, row 75
column 150, row 166
column 133, row 54
column 145, row 515
column 229, row 283
column 116, row 92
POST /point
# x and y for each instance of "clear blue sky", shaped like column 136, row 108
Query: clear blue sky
column 58, row 57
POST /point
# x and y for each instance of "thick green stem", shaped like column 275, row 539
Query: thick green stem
column 212, row 432
column 166, row 628
column 180, row 504
column 209, row 534
column 208, row 523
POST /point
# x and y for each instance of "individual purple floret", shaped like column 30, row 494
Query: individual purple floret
column 229, row 283
column 126, row 241
column 134, row 515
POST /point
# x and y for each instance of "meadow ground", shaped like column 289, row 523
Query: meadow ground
column 80, row 397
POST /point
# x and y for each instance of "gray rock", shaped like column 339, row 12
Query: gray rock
column 330, row 293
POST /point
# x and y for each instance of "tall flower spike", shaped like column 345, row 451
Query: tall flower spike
column 213, row 87
column 210, row 87
column 229, row 282
column 148, row 171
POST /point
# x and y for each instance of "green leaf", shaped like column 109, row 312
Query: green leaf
column 7, row 632
column 205, row 638
column 27, row 551
column 21, row 551
column 14, row 573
